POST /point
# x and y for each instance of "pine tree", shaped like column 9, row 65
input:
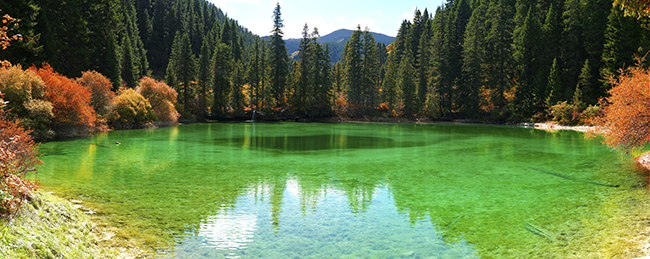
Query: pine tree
column 527, row 52
column 237, row 95
column 572, row 46
column 370, row 71
column 554, row 85
column 128, row 67
column 182, row 70
column 389, row 85
column 221, row 70
column 322, row 78
column 622, row 41
column 353, row 77
column 406, row 82
column 253, row 74
column 474, row 59
column 498, row 47
column 303, row 76
column 586, row 83
column 278, row 58
column 204, row 78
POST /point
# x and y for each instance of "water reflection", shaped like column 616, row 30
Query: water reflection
column 328, row 190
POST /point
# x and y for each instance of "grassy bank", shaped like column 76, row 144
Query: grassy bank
column 50, row 227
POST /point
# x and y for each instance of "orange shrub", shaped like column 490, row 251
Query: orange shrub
column 131, row 107
column 100, row 89
column 626, row 116
column 18, row 156
column 70, row 100
column 161, row 97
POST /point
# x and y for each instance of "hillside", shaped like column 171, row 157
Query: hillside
column 337, row 40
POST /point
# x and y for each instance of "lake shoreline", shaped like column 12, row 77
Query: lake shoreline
column 48, row 226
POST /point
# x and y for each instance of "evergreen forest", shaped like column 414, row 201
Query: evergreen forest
column 489, row 60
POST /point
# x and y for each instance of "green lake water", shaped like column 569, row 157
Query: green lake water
column 312, row 190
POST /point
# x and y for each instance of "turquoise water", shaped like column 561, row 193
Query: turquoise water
column 311, row 190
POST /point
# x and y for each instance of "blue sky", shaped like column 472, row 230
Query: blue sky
column 327, row 15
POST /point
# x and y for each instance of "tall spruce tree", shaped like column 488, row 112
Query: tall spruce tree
column 278, row 58
column 406, row 82
column 182, row 70
column 499, row 59
column 353, row 70
column 474, row 59
column 204, row 78
column 527, row 53
column 221, row 70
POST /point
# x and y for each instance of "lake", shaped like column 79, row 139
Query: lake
column 313, row 190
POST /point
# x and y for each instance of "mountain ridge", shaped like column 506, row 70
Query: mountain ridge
column 336, row 40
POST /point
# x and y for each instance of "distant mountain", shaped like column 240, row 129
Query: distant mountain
column 336, row 40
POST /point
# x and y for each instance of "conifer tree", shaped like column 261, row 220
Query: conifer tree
column 474, row 58
column 622, row 40
column 128, row 67
column 253, row 75
column 370, row 71
column 527, row 52
column 221, row 70
column 406, row 82
column 182, row 70
column 237, row 95
column 303, row 74
column 572, row 46
column 278, row 58
column 499, row 59
column 389, row 85
column 353, row 78
column 204, row 78
column 554, row 85
column 587, row 85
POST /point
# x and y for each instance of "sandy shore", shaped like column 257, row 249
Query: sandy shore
column 549, row 126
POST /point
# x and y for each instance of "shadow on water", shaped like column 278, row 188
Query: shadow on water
column 317, row 142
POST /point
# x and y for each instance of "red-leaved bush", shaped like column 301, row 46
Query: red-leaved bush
column 625, row 120
column 161, row 97
column 18, row 156
column 70, row 100
column 100, row 88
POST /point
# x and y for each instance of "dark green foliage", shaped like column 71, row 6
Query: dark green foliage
column 474, row 58
column 623, row 40
column 406, row 82
column 237, row 101
column 182, row 70
column 26, row 51
column 554, row 87
column 278, row 59
column 221, row 70
column 204, row 78
column 530, row 81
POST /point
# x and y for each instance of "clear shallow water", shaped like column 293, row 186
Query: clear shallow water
column 291, row 190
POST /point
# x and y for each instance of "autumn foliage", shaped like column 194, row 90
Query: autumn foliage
column 71, row 102
column 626, row 117
column 131, row 107
column 161, row 97
column 18, row 156
column 8, row 24
column 100, row 88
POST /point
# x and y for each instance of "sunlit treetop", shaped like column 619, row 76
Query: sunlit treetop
column 635, row 8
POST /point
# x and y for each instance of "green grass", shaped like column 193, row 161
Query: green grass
column 50, row 227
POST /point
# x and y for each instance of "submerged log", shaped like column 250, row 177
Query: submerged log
column 575, row 179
